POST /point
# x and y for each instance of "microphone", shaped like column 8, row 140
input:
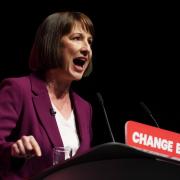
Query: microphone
column 52, row 111
column 149, row 112
column 106, row 117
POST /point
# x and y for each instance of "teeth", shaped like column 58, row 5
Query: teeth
column 79, row 62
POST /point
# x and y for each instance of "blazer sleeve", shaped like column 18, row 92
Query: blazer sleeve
column 10, row 105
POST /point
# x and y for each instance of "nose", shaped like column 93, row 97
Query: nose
column 86, row 48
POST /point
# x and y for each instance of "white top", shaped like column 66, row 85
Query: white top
column 68, row 131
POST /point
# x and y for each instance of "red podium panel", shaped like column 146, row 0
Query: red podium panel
column 114, row 161
column 153, row 139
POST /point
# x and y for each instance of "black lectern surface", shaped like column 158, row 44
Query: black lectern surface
column 114, row 161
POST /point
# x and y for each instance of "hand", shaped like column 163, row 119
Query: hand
column 26, row 147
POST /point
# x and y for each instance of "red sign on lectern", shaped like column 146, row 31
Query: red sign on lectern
column 152, row 139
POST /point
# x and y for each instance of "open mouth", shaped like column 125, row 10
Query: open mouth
column 79, row 62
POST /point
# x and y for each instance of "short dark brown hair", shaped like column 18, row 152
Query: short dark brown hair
column 44, row 53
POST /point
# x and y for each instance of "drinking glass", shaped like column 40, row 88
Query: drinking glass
column 60, row 154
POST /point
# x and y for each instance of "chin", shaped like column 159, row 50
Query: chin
column 77, row 77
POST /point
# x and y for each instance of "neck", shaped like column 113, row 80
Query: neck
column 56, row 86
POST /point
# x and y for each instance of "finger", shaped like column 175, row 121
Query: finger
column 35, row 146
column 15, row 150
column 21, row 147
column 27, row 143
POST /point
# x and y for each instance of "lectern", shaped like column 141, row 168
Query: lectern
column 114, row 161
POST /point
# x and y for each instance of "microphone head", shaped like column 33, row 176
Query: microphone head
column 100, row 97
column 149, row 112
column 145, row 107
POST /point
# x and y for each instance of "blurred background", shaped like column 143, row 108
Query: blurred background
column 136, row 56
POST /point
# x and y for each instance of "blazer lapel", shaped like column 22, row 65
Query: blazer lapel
column 42, row 106
column 81, row 117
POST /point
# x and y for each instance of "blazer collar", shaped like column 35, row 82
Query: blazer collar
column 81, row 116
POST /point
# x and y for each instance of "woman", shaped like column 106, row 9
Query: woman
column 41, row 111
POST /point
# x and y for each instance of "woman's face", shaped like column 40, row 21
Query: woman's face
column 75, row 53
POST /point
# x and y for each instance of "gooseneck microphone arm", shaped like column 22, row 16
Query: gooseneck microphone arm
column 149, row 112
column 106, row 117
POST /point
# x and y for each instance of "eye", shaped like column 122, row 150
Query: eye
column 77, row 38
column 90, row 41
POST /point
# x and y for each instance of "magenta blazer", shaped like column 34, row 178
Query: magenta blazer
column 25, row 110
